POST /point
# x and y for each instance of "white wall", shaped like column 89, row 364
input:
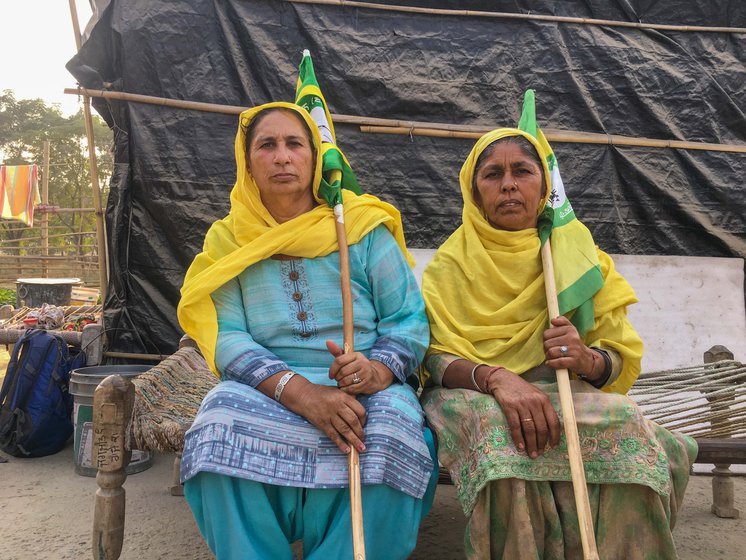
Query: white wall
column 687, row 305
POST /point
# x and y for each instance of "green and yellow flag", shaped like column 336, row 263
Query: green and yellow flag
column 337, row 173
column 576, row 266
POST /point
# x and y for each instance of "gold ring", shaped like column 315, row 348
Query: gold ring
column 527, row 419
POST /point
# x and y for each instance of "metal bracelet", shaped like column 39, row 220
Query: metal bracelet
column 473, row 378
column 281, row 385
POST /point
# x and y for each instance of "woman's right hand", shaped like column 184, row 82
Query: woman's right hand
column 339, row 415
column 531, row 417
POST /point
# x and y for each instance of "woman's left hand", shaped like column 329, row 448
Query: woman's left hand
column 355, row 374
column 564, row 349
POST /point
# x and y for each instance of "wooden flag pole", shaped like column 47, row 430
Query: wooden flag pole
column 582, row 503
column 356, row 502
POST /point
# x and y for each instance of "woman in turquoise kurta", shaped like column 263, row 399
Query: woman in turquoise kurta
column 265, row 461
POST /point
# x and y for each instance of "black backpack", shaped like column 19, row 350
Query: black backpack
column 35, row 401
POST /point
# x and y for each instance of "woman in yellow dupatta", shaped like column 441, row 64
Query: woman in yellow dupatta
column 265, row 463
column 492, row 399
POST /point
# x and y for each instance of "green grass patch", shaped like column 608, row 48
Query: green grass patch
column 7, row 296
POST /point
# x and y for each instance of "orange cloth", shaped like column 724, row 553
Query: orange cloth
column 19, row 192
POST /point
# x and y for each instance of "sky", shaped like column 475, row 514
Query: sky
column 36, row 42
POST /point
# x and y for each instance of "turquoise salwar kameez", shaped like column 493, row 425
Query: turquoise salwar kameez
column 259, row 477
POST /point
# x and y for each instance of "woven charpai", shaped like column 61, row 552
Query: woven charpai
column 704, row 401
column 167, row 398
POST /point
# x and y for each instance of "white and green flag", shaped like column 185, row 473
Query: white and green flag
column 577, row 269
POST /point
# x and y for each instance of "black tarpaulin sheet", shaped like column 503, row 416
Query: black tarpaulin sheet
column 175, row 167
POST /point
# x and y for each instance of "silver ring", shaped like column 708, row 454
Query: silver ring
column 527, row 419
column 356, row 379
column 563, row 349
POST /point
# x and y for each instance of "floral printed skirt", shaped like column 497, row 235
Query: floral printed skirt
column 520, row 507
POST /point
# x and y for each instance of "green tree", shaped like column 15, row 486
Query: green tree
column 24, row 126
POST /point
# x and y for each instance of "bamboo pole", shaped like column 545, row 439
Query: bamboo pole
column 50, row 258
column 162, row 101
column 582, row 503
column 353, row 459
column 526, row 17
column 42, row 256
column 422, row 131
column 568, row 137
column 49, row 209
column 419, row 128
column 135, row 356
column 236, row 109
column 100, row 229
column 28, row 229
column 56, row 235
column 45, row 215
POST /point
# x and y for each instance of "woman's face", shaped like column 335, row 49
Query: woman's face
column 509, row 187
column 280, row 156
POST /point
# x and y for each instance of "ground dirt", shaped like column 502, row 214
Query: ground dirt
column 46, row 512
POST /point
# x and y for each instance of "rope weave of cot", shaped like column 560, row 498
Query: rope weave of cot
column 706, row 400
column 167, row 398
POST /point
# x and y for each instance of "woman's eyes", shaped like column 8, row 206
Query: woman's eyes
column 271, row 144
column 498, row 173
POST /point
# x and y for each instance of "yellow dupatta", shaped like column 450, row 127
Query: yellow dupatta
column 249, row 234
column 484, row 289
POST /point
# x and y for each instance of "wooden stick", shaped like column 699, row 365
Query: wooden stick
column 56, row 235
column 28, row 229
column 236, row 109
column 163, row 101
column 356, row 502
column 103, row 268
column 419, row 128
column 135, row 356
column 582, row 503
column 37, row 257
column 45, row 215
column 565, row 137
column 527, row 17
column 49, row 209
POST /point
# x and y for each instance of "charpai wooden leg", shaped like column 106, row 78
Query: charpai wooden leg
column 723, row 492
column 723, row 499
column 176, row 488
column 113, row 402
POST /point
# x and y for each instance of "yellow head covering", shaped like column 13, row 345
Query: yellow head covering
column 249, row 234
column 484, row 289
column 472, row 214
